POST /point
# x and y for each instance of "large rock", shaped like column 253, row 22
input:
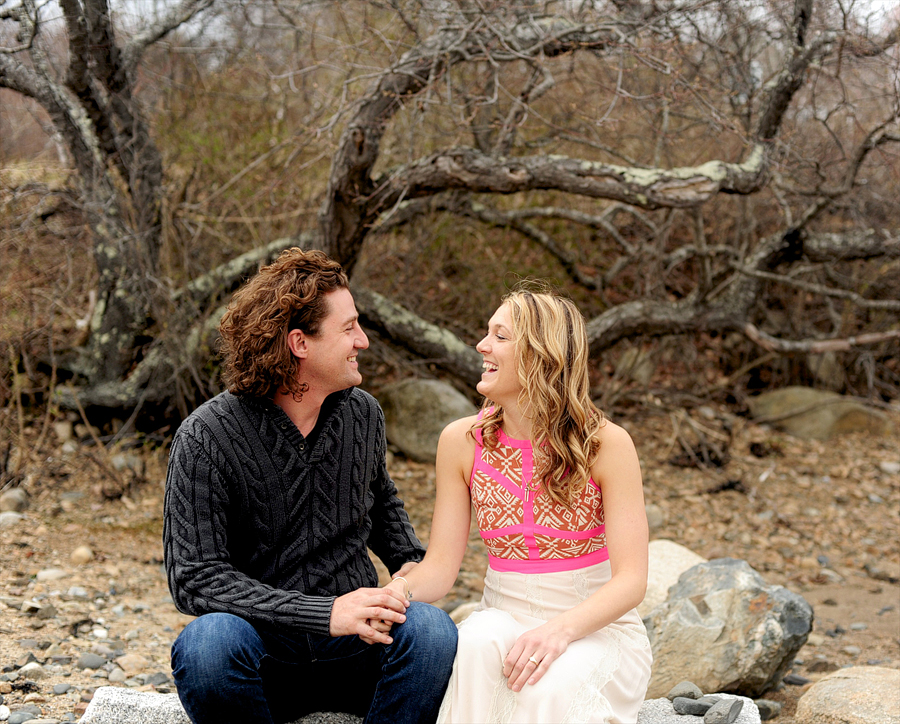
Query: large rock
column 725, row 629
column 660, row 711
column 114, row 705
column 858, row 695
column 667, row 562
column 416, row 411
column 816, row 414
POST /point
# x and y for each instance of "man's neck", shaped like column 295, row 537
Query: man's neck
column 304, row 413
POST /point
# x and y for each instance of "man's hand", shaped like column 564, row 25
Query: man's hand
column 353, row 613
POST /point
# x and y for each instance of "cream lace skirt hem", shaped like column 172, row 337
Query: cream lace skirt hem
column 600, row 678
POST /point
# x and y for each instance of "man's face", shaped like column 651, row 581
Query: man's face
column 330, row 363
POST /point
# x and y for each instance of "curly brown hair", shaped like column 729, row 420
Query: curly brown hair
column 287, row 294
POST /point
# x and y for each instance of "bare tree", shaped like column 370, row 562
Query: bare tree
column 88, row 92
column 682, row 163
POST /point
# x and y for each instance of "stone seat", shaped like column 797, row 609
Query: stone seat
column 115, row 705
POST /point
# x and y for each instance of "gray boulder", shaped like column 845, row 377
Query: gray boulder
column 416, row 411
column 858, row 695
column 816, row 414
column 725, row 629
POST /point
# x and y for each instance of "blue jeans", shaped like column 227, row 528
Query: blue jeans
column 228, row 670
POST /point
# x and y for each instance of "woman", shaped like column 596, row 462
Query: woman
column 557, row 494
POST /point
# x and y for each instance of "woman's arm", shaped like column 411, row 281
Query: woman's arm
column 618, row 473
column 434, row 576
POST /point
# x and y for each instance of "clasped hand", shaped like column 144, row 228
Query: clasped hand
column 368, row 613
column 532, row 654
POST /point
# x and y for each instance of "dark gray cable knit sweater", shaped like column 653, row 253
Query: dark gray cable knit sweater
column 259, row 525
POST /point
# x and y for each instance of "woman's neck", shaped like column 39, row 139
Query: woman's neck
column 515, row 424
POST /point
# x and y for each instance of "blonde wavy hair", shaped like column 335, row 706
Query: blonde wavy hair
column 287, row 294
column 552, row 365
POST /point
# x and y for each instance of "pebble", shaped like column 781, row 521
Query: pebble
column 63, row 431
column 768, row 709
column 795, row 680
column 90, row 661
column 815, row 639
column 81, row 555
column 889, row 467
column 694, row 707
column 13, row 501
column 33, row 671
column 724, row 711
column 684, row 690
column 859, row 626
column 61, row 688
column 8, row 519
column 852, row 650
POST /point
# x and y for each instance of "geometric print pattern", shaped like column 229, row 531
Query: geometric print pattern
column 518, row 523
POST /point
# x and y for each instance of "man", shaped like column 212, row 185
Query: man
column 275, row 490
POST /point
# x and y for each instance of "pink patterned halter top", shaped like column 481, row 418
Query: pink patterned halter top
column 523, row 529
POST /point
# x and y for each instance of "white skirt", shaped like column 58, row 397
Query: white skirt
column 602, row 677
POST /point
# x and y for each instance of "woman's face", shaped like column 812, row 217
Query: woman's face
column 499, row 381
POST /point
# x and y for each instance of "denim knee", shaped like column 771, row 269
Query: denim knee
column 427, row 628
column 215, row 643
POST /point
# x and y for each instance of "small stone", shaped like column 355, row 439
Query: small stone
column 100, row 633
column 13, row 501
column 815, row 639
column 77, row 592
column 63, row 430
column 4, row 712
column 132, row 663
column 30, row 607
column 51, row 574
column 768, row 709
column 859, row 626
column 81, row 555
column 724, row 711
column 33, row 671
column 157, row 679
column 90, row 661
column 46, row 611
column 795, row 680
column 694, row 707
column 117, row 676
column 685, row 690
column 9, row 519
column 889, row 467
column 61, row 688
column 852, row 650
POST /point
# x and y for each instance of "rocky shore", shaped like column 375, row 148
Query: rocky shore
column 84, row 604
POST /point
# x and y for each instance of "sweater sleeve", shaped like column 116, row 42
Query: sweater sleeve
column 393, row 539
column 202, row 578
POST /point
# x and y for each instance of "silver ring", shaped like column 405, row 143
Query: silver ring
column 533, row 660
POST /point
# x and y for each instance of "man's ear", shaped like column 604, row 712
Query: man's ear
column 296, row 341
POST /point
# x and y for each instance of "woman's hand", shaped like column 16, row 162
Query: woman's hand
column 532, row 654
column 383, row 626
